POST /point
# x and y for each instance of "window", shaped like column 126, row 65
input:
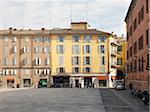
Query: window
column 139, row 18
column 101, row 48
column 87, row 60
column 131, row 31
column 135, row 24
column 119, row 48
column 37, row 61
column 127, row 35
column 135, row 47
column 140, row 42
column 130, row 51
column 46, row 49
column 14, row 61
column 25, row 49
column 46, row 39
column 26, row 61
column 76, row 70
column 147, row 4
column 14, row 39
column 14, row 49
column 139, row 64
column 142, row 65
column 119, row 61
column 6, row 38
column 76, row 38
column 87, row 70
column 47, row 61
column 14, row 72
column 87, row 49
column 128, row 54
column 141, row 15
column 76, row 49
column 148, row 63
column 131, row 67
column 103, row 60
column 61, row 60
column 61, row 70
column 101, row 38
column 60, row 39
column 5, row 61
column 38, row 39
column 37, row 49
column 75, row 60
column 87, row 38
column 147, row 36
column 102, row 70
column 135, row 65
column 60, row 49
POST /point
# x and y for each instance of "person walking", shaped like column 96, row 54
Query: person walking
column 130, row 86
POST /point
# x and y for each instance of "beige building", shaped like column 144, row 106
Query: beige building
column 77, row 57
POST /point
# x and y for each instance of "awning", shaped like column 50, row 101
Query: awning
column 10, row 78
column 113, row 77
column 102, row 78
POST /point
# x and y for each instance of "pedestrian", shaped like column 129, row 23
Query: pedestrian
column 130, row 86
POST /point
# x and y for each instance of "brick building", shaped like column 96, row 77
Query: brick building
column 138, row 43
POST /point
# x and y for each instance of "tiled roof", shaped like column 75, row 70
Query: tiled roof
column 53, row 31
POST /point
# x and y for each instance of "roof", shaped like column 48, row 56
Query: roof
column 130, row 9
column 78, row 22
column 54, row 32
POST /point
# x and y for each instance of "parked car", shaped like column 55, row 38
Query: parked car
column 116, row 82
column 120, row 86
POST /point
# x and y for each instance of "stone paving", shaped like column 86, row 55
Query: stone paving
column 69, row 100
column 52, row 100
column 121, row 101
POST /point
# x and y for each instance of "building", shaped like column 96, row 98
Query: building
column 77, row 57
column 138, row 34
column 121, row 58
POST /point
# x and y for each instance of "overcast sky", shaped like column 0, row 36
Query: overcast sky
column 105, row 15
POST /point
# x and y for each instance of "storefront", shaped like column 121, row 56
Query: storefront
column 26, row 82
column 61, row 81
column 10, row 82
column 42, row 83
column 103, row 81
column 88, row 82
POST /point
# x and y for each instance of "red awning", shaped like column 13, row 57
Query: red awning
column 10, row 78
column 102, row 77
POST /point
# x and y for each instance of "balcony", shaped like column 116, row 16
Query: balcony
column 114, row 42
column 113, row 65
column 114, row 53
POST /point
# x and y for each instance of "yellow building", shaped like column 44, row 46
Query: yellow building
column 121, row 58
column 74, row 57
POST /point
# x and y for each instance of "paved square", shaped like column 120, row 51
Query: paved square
column 52, row 100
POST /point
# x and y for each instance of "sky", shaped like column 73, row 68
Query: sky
column 104, row 15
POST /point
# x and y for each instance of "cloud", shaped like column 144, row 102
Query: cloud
column 107, row 15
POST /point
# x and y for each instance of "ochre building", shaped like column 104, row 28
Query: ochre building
column 74, row 57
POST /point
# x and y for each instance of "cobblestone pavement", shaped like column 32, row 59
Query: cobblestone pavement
column 52, row 100
column 121, row 101
column 69, row 100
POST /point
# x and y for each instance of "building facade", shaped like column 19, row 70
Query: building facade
column 76, row 57
column 138, row 33
column 121, row 58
